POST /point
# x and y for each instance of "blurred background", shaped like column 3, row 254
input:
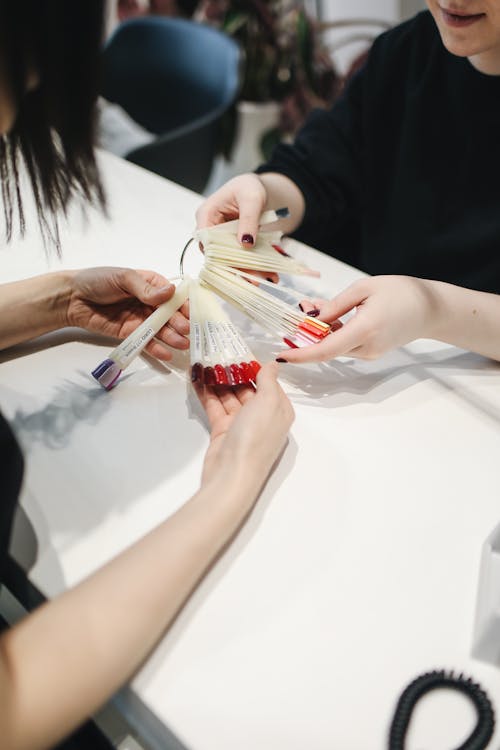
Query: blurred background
column 201, row 90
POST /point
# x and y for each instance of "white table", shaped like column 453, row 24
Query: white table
column 358, row 568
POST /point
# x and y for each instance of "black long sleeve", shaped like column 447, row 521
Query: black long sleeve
column 11, row 463
column 402, row 175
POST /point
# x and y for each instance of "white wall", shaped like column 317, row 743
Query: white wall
column 335, row 9
column 388, row 10
column 391, row 11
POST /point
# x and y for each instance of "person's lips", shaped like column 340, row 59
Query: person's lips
column 459, row 18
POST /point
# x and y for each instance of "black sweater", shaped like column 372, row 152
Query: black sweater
column 402, row 175
column 11, row 472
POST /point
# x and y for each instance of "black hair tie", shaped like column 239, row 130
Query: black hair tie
column 485, row 725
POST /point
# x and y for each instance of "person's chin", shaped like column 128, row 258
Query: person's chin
column 459, row 47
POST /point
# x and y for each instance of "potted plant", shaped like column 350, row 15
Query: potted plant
column 286, row 71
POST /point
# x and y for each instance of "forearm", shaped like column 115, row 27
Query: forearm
column 281, row 191
column 465, row 318
column 73, row 653
column 31, row 307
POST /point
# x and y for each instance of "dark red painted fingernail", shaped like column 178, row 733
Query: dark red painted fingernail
column 268, row 278
column 209, row 376
column 301, row 307
column 313, row 313
column 248, row 239
column 197, row 373
column 280, row 359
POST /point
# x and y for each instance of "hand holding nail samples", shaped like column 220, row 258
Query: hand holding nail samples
column 131, row 305
column 115, row 301
column 389, row 311
column 248, row 428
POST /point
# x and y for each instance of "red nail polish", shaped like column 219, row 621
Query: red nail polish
column 280, row 359
column 236, row 373
column 255, row 366
column 220, row 375
column 281, row 251
column 246, row 371
column 209, row 376
column 248, row 239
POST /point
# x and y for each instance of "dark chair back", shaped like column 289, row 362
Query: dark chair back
column 176, row 78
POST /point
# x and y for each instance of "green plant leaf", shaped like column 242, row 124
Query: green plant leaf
column 234, row 21
column 270, row 139
column 305, row 47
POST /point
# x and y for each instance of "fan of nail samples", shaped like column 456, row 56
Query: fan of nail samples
column 222, row 248
column 268, row 310
column 218, row 353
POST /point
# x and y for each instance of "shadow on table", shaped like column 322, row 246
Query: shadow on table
column 102, row 452
column 340, row 384
column 346, row 382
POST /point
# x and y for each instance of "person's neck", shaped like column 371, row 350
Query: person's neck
column 487, row 62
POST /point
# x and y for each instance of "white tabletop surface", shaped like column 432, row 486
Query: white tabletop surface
column 358, row 568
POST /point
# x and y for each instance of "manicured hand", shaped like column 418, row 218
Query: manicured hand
column 243, row 197
column 248, row 428
column 389, row 311
column 114, row 301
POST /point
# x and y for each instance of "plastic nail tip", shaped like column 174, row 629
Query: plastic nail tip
column 247, row 372
column 236, row 373
column 255, row 366
column 220, row 375
column 197, row 373
column 209, row 376
column 281, row 251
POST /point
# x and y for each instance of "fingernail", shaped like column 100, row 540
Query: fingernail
column 268, row 278
column 281, row 360
column 313, row 313
column 248, row 239
column 161, row 289
column 301, row 307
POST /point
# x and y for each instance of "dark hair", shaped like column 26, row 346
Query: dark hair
column 59, row 41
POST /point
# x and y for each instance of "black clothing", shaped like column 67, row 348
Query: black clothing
column 11, row 474
column 402, row 175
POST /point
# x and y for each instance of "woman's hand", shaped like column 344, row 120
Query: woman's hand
column 243, row 197
column 114, row 301
column 248, row 429
column 390, row 311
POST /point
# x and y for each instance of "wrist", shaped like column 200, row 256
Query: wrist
column 60, row 294
column 234, row 482
column 34, row 306
column 437, row 308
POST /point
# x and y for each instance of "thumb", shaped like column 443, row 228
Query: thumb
column 157, row 295
column 267, row 378
column 153, row 290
